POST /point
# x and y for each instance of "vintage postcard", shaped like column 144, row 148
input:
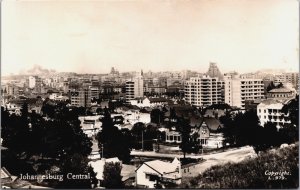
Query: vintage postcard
column 121, row 94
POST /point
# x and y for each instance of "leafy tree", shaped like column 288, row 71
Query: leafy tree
column 138, row 135
column 157, row 116
column 77, row 165
column 228, row 128
column 113, row 141
column 185, row 130
column 247, row 128
column 112, row 178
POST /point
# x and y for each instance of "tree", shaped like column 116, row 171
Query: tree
column 228, row 128
column 157, row 116
column 247, row 128
column 77, row 164
column 112, row 178
column 185, row 130
column 111, row 141
column 138, row 135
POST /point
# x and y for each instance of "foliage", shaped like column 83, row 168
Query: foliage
column 292, row 108
column 115, row 143
column 77, row 165
column 157, row 116
column 185, row 130
column 35, row 144
column 112, row 178
column 251, row 173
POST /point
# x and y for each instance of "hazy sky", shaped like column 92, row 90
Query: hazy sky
column 157, row 35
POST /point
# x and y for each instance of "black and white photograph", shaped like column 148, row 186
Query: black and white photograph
column 149, row 94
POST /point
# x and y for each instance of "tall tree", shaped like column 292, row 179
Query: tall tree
column 185, row 130
column 112, row 178
column 111, row 141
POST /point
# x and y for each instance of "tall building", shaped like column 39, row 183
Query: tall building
column 80, row 97
column 238, row 90
column 31, row 82
column 292, row 78
column 135, row 87
column 203, row 91
column 38, row 84
column 214, row 72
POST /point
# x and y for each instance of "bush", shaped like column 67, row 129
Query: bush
column 253, row 173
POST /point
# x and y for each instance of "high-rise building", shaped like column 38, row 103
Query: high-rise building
column 214, row 72
column 80, row 97
column 203, row 91
column 31, row 82
column 135, row 87
column 238, row 89
column 292, row 78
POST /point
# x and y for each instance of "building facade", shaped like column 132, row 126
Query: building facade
column 270, row 111
column 238, row 90
column 203, row 91
column 134, row 88
column 80, row 97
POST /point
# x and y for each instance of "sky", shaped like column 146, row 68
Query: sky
column 157, row 35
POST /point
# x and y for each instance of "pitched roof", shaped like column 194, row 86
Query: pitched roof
column 161, row 166
column 212, row 123
column 281, row 90
column 160, row 99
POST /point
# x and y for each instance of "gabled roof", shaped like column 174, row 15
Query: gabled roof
column 212, row 123
column 161, row 166
column 4, row 173
column 160, row 99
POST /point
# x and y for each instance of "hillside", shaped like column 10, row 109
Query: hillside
column 272, row 169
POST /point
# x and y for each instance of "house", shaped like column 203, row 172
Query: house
column 209, row 133
column 140, row 102
column 155, row 172
column 6, row 177
column 160, row 101
column 270, row 111
column 91, row 125
column 173, row 137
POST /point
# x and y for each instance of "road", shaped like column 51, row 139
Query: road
column 233, row 155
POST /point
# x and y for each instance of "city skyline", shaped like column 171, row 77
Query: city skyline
column 93, row 36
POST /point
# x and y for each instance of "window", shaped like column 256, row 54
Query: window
column 151, row 177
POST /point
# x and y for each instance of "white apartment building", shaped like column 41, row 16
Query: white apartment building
column 135, row 88
column 203, row 91
column 270, row 111
column 31, row 82
column 238, row 89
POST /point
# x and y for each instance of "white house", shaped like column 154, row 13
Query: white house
column 91, row 125
column 270, row 111
column 173, row 137
column 158, row 172
column 140, row 102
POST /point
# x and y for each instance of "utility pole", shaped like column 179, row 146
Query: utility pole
column 142, row 141
column 101, row 151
